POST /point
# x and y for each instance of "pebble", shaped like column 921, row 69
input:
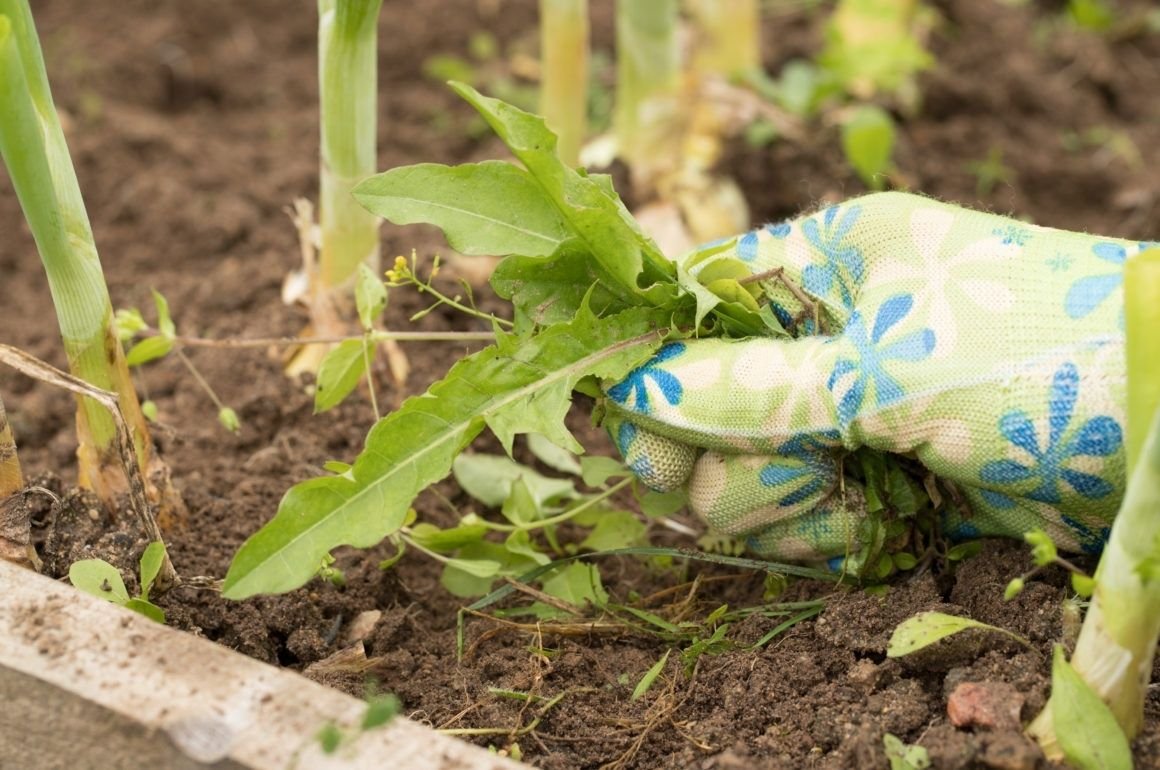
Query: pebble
column 986, row 705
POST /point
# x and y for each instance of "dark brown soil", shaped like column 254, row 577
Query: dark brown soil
column 193, row 126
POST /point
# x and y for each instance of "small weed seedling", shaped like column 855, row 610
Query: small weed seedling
column 101, row 579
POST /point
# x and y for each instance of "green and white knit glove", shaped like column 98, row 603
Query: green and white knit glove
column 988, row 349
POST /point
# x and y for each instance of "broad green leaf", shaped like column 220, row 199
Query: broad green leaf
column 520, row 543
column 591, row 210
column 370, row 296
column 926, row 628
column 614, row 529
column 151, row 560
column 470, row 573
column 553, row 455
column 148, row 349
column 868, row 141
column 491, row 208
column 520, row 508
column 650, row 676
column 445, row 540
column 489, row 479
column 577, row 584
column 415, row 445
column 548, row 291
column 596, row 470
column 146, row 608
column 1087, row 731
column 338, row 374
column 99, row 578
column 658, row 504
column 903, row 756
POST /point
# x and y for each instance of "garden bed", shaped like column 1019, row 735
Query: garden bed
column 193, row 126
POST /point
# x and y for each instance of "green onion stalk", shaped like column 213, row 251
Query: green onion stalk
column 11, row 478
column 1118, row 639
column 728, row 37
column 34, row 150
column 348, row 100
column 647, row 120
column 564, row 73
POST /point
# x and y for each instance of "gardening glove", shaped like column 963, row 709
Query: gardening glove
column 989, row 350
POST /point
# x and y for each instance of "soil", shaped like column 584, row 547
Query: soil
column 193, row 126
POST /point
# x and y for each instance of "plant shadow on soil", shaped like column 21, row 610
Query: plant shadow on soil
column 194, row 125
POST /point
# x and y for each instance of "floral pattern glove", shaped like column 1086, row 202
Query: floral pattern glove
column 988, row 349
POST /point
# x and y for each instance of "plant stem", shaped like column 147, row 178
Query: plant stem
column 1118, row 639
column 564, row 73
column 33, row 146
column 377, row 336
column 348, row 98
column 729, row 39
column 11, row 478
column 648, row 84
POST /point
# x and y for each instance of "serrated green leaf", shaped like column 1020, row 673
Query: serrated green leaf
column 926, row 628
column 148, row 349
column 370, row 296
column 1086, row 728
column 553, row 455
column 549, row 291
column 415, row 445
column 489, row 479
column 146, row 608
column 868, row 141
column 590, row 208
column 151, row 560
column 491, row 208
column 99, row 578
column 338, row 374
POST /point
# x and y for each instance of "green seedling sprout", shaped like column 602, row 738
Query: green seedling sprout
column 102, row 580
column 34, row 150
column 1117, row 642
column 564, row 73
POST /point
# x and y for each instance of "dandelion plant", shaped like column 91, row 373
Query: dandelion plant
column 1117, row 642
column 34, row 150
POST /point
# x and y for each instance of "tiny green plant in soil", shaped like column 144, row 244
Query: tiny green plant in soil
column 101, row 579
column 592, row 298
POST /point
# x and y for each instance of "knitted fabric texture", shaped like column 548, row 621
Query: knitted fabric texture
column 990, row 349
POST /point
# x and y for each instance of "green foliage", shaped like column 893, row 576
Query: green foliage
column 990, row 172
column 903, row 756
column 1094, row 15
column 868, row 142
column 1087, row 730
column 345, row 364
column 594, row 298
column 650, row 676
column 926, row 628
column 101, row 579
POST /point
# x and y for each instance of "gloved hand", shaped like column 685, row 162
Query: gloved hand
column 988, row 349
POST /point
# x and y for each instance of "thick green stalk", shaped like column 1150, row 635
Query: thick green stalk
column 729, row 37
column 11, row 478
column 648, row 88
column 1118, row 639
column 348, row 100
column 1142, row 313
column 33, row 147
column 564, row 73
